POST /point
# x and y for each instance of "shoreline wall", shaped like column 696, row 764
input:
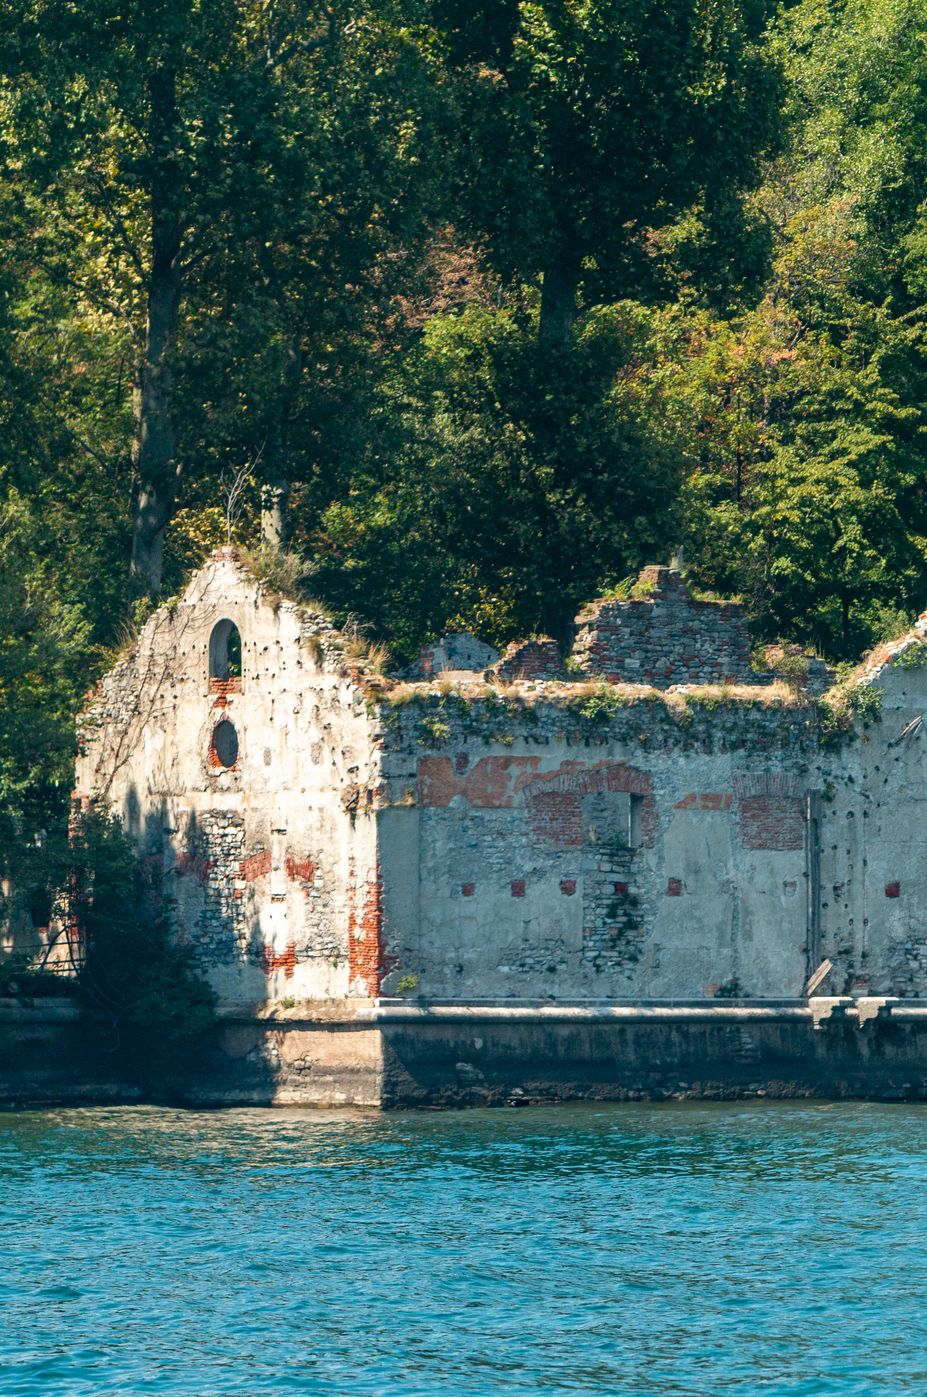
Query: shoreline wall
column 399, row 1056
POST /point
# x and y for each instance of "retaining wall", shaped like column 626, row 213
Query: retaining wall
column 406, row 1055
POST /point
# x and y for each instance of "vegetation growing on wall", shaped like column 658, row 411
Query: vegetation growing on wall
column 140, row 988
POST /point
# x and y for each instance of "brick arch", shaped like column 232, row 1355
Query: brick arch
column 767, row 783
column 771, row 809
column 554, row 801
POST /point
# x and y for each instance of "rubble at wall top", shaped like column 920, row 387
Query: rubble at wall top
column 654, row 636
column 651, row 637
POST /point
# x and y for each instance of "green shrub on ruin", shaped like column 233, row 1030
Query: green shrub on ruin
column 139, row 987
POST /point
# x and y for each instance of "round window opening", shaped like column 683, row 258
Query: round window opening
column 223, row 750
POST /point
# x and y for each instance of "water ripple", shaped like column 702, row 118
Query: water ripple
column 647, row 1251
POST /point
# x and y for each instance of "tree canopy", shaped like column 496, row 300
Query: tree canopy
column 484, row 306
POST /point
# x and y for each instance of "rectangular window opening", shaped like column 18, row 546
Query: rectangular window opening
column 634, row 821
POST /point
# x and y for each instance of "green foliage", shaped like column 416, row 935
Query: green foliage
column 848, row 700
column 633, row 588
column 433, row 730
column 136, row 981
column 914, row 657
column 507, row 489
column 803, row 416
column 44, row 650
column 710, row 699
column 600, row 706
column 595, row 124
column 280, row 570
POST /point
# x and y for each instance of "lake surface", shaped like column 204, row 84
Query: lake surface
column 629, row 1249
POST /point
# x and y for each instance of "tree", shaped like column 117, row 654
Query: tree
column 501, row 494
column 43, row 642
column 595, row 125
column 805, row 445
column 807, row 481
column 148, row 143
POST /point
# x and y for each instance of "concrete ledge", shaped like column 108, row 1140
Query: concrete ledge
column 397, row 1054
column 38, row 1011
column 709, row 1012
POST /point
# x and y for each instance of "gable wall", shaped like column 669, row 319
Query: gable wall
column 873, row 843
column 271, row 866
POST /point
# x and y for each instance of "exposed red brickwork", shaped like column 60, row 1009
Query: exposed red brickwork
column 284, row 960
column 771, row 811
column 665, row 637
column 674, row 887
column 518, row 887
column 705, row 800
column 551, row 797
column 368, row 960
column 568, row 886
column 532, row 659
column 195, row 864
column 300, row 870
column 772, row 822
column 554, row 799
column 892, row 889
column 255, row 865
column 224, row 687
column 557, row 817
column 490, row 782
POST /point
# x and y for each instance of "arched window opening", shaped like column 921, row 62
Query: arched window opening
column 225, row 657
column 223, row 747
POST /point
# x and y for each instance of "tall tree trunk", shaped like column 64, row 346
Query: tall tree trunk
column 274, row 494
column 154, row 448
column 558, row 299
column 275, row 490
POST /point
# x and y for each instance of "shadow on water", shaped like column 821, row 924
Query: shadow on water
column 644, row 1249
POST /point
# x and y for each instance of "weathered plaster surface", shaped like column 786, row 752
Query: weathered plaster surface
column 546, row 840
column 271, row 864
column 658, row 853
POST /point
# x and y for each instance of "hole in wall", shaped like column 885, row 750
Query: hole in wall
column 40, row 907
column 225, row 652
column 223, row 748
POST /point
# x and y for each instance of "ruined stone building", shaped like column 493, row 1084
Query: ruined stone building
column 399, row 875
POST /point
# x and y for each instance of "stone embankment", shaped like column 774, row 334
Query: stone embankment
column 397, row 1054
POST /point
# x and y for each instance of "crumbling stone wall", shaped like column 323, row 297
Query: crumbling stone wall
column 541, row 849
column 664, row 637
column 271, row 862
column 531, row 659
column 872, row 833
column 539, row 839
column 461, row 651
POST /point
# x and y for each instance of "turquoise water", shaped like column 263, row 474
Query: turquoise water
column 674, row 1249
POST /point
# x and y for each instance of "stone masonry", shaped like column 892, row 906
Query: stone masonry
column 663, row 637
column 646, row 820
